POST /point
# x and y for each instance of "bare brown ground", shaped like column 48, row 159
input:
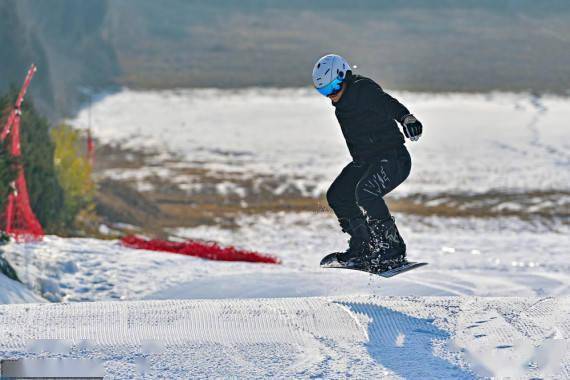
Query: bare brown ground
column 164, row 204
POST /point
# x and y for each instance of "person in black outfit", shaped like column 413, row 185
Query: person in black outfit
column 367, row 116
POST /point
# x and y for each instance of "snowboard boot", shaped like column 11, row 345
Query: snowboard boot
column 358, row 252
column 388, row 247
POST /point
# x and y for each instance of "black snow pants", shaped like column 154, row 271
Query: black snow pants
column 361, row 185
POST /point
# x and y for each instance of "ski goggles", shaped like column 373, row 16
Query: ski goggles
column 331, row 88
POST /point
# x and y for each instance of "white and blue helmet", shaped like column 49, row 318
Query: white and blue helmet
column 329, row 72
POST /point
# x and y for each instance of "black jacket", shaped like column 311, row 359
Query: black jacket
column 367, row 115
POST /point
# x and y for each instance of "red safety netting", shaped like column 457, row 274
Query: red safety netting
column 204, row 250
column 17, row 218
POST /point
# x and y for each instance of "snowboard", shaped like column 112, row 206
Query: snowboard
column 394, row 270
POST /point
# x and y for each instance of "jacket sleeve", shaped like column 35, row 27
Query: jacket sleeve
column 383, row 103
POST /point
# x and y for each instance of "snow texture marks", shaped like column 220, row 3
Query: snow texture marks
column 367, row 337
column 534, row 343
column 200, row 338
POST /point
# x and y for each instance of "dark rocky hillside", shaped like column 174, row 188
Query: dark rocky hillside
column 66, row 39
column 438, row 45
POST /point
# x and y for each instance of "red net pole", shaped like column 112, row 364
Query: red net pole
column 90, row 148
column 19, row 219
column 16, row 111
column 15, row 150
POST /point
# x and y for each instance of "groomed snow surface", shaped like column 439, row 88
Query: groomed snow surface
column 296, row 319
column 492, row 302
column 359, row 336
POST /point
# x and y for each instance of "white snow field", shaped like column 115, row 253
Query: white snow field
column 472, row 143
column 493, row 301
column 14, row 292
column 466, row 258
column 339, row 337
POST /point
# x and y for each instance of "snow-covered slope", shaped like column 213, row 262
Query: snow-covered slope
column 499, row 257
column 498, row 161
column 472, row 143
column 14, row 292
column 486, row 203
column 366, row 337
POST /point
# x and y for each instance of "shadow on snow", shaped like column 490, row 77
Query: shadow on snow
column 405, row 344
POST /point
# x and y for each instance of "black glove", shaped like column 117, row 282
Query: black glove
column 412, row 127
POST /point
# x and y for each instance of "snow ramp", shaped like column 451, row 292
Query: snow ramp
column 363, row 336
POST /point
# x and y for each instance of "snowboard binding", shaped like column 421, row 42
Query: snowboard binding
column 375, row 247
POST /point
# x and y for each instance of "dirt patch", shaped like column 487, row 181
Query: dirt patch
column 148, row 192
column 152, row 192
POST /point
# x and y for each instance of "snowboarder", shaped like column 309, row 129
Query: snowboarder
column 380, row 162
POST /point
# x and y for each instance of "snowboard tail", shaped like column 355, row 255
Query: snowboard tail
column 406, row 266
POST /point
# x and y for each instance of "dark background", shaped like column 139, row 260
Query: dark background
column 434, row 46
